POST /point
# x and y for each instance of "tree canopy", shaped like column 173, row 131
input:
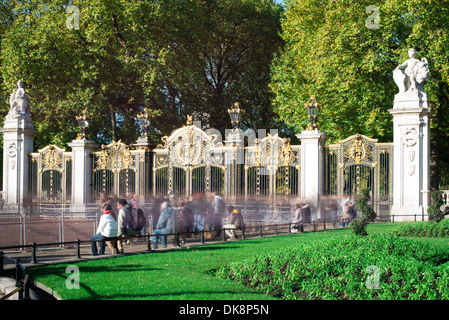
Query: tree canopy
column 333, row 52
column 175, row 56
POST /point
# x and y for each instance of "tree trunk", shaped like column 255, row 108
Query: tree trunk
column 113, row 125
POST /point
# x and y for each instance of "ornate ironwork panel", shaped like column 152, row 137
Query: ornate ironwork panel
column 190, row 161
column 117, row 170
column 359, row 162
column 272, row 168
column 51, row 175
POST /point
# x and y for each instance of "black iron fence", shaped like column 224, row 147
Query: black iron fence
column 21, row 276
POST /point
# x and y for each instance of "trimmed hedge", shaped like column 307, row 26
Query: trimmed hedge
column 339, row 268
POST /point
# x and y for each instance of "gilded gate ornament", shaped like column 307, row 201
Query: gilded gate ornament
column 51, row 158
column 194, row 152
column 114, row 156
column 358, row 151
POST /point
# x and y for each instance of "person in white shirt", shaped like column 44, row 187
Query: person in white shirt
column 107, row 228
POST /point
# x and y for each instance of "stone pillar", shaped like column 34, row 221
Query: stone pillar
column 18, row 134
column 411, row 167
column 312, row 162
column 81, row 172
column 235, row 161
column 145, row 146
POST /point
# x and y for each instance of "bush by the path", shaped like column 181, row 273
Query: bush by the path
column 337, row 269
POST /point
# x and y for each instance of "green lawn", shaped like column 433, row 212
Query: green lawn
column 181, row 274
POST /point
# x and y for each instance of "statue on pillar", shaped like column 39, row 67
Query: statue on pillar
column 411, row 75
column 19, row 102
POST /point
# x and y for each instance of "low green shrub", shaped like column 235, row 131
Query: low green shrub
column 421, row 229
column 337, row 269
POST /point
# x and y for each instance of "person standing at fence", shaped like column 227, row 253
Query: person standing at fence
column 218, row 207
column 164, row 225
column 155, row 211
column 199, row 208
column 185, row 218
column 107, row 228
column 124, row 215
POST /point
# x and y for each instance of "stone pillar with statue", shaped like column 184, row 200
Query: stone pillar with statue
column 411, row 136
column 18, row 134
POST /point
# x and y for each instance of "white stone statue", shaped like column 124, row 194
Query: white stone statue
column 415, row 75
column 19, row 102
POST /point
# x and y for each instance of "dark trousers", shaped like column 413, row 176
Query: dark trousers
column 216, row 224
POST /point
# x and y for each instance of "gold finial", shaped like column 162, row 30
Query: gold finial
column 83, row 124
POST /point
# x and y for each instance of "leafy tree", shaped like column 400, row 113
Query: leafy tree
column 329, row 52
column 219, row 53
column 106, row 66
column 178, row 56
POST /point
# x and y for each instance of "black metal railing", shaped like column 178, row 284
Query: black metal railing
column 254, row 230
column 258, row 230
column 21, row 277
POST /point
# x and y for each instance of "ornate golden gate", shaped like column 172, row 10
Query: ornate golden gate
column 119, row 171
column 189, row 162
column 272, row 168
column 359, row 162
column 51, row 175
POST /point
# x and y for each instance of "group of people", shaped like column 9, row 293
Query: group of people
column 194, row 215
column 302, row 213
column 113, row 229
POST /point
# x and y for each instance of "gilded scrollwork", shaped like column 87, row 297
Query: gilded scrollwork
column 114, row 157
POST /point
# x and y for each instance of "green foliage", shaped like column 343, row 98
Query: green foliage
column 103, row 66
column 359, row 224
column 315, row 265
column 434, row 208
column 331, row 54
column 337, row 269
column 422, row 229
column 175, row 56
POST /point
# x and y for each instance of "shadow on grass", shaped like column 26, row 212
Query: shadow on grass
column 61, row 269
